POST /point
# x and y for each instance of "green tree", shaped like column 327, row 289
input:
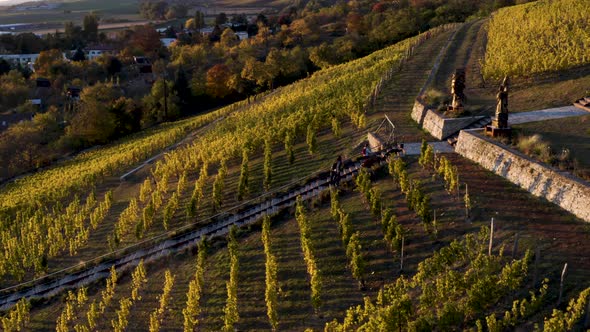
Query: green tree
column 90, row 27
column 13, row 90
column 26, row 145
column 198, row 22
column 220, row 19
column 153, row 10
column 94, row 122
column 4, row 67
column 176, row 11
column 161, row 104
column 73, row 35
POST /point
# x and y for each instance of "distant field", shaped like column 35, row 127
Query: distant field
column 107, row 26
column 124, row 10
column 74, row 11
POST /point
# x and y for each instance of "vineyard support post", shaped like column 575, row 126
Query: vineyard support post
column 458, row 188
column 536, row 269
column 401, row 260
column 434, row 224
column 515, row 247
column 491, row 237
column 563, row 272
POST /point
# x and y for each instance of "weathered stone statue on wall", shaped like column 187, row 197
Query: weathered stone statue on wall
column 457, row 88
column 499, row 125
column 501, row 119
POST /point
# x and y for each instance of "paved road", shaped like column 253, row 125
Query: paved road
column 546, row 114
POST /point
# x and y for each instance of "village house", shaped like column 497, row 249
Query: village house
column 93, row 52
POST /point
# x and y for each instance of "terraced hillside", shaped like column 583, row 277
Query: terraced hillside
column 538, row 225
column 71, row 217
column 403, row 248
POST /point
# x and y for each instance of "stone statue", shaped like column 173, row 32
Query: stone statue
column 501, row 120
column 457, row 87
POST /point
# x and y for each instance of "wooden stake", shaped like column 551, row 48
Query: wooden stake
column 458, row 187
column 434, row 162
column 435, row 231
column 561, row 283
column 587, row 320
column 515, row 247
column 491, row 237
column 401, row 260
column 536, row 269
column 465, row 202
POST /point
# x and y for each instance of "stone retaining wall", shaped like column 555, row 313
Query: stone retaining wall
column 563, row 189
column 435, row 124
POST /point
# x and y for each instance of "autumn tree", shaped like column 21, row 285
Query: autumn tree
column 229, row 38
column 190, row 56
column 255, row 71
column 323, row 56
column 217, row 78
column 146, row 38
column 51, row 64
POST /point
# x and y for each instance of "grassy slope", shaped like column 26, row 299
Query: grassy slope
column 571, row 133
column 527, row 94
column 397, row 96
column 464, row 52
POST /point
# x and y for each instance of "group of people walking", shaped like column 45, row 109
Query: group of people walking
column 369, row 158
column 336, row 171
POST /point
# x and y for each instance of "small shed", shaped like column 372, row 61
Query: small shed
column 384, row 137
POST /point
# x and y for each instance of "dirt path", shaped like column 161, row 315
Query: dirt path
column 466, row 50
column 397, row 97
